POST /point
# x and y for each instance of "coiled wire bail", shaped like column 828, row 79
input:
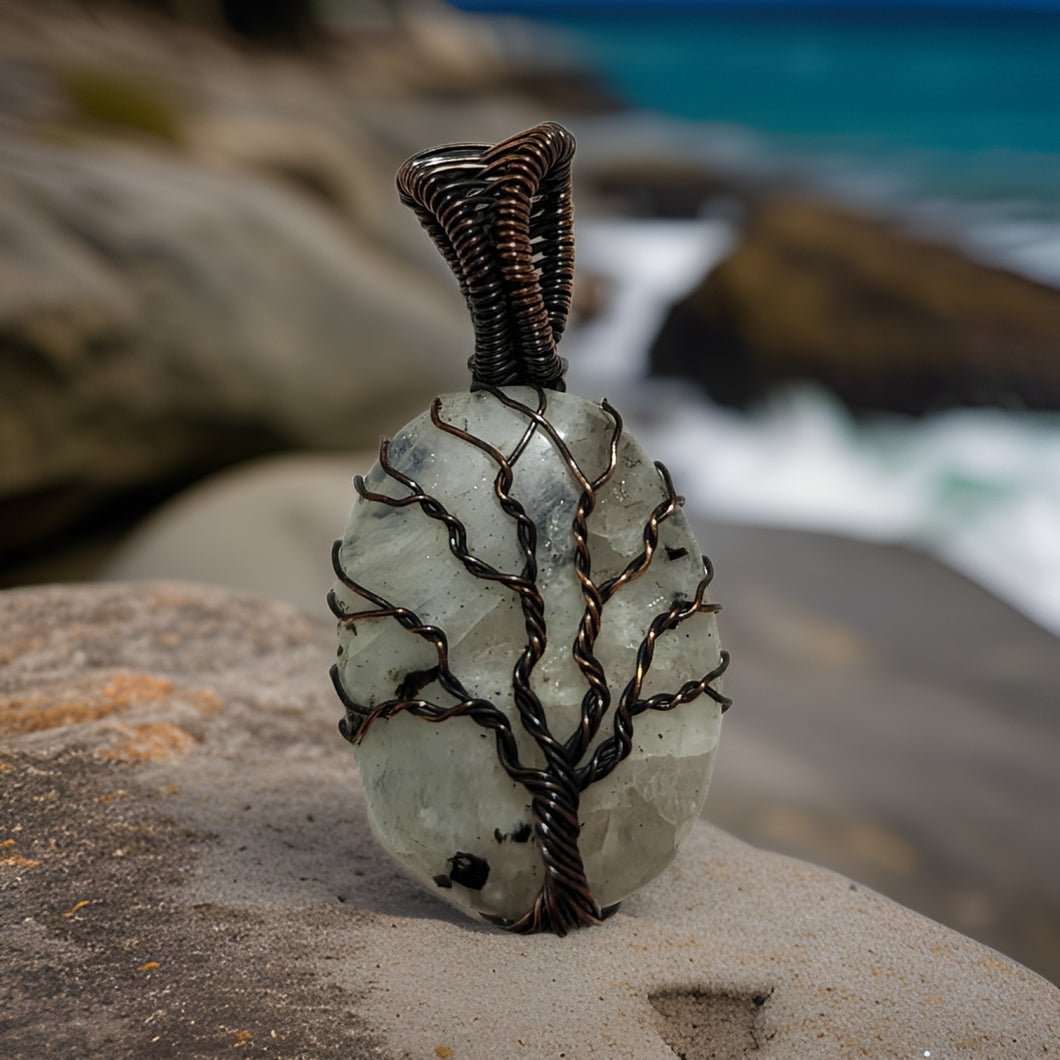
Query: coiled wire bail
column 503, row 218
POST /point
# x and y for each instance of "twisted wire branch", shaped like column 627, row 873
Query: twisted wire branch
column 639, row 564
column 613, row 750
column 566, row 901
column 502, row 217
column 597, row 696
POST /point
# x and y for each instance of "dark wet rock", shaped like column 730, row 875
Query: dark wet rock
column 656, row 187
column 885, row 320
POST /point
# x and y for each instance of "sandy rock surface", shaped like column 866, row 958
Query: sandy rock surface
column 187, row 867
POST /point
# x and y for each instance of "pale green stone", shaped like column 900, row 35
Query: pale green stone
column 435, row 789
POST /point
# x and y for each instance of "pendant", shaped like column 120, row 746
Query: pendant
column 528, row 654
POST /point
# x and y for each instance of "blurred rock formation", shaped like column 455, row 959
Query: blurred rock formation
column 202, row 257
column 886, row 320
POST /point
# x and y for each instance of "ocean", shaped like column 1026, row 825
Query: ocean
column 950, row 115
column 947, row 119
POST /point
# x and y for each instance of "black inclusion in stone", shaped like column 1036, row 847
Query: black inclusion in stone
column 469, row 870
column 518, row 835
column 415, row 682
column 675, row 553
column 443, row 881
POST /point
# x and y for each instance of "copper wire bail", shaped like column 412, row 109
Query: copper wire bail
column 503, row 218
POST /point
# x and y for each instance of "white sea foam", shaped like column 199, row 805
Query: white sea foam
column 979, row 489
column 648, row 265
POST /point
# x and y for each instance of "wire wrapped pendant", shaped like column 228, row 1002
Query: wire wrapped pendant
column 528, row 655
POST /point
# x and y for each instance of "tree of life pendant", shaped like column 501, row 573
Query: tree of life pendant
column 528, row 654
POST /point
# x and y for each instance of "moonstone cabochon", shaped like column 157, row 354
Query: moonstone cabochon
column 438, row 790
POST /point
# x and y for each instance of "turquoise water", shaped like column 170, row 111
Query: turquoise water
column 952, row 115
column 891, row 79
column 950, row 120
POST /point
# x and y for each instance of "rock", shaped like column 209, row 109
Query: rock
column 187, row 868
column 832, row 640
column 297, row 503
column 885, row 320
column 653, row 187
column 625, row 603
column 206, row 320
column 203, row 257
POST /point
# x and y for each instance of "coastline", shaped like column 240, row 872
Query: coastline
column 978, row 489
column 271, row 309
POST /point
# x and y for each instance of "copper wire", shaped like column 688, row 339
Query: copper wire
column 503, row 218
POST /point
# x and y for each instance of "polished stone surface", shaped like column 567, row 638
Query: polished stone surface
column 437, row 791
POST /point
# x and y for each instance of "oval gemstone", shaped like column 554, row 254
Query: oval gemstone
column 527, row 653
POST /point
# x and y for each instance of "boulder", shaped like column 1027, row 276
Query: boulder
column 855, row 666
column 159, row 319
column 656, row 187
column 884, row 319
column 202, row 254
column 187, row 868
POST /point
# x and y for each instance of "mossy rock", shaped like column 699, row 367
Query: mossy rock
column 885, row 320
column 124, row 102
